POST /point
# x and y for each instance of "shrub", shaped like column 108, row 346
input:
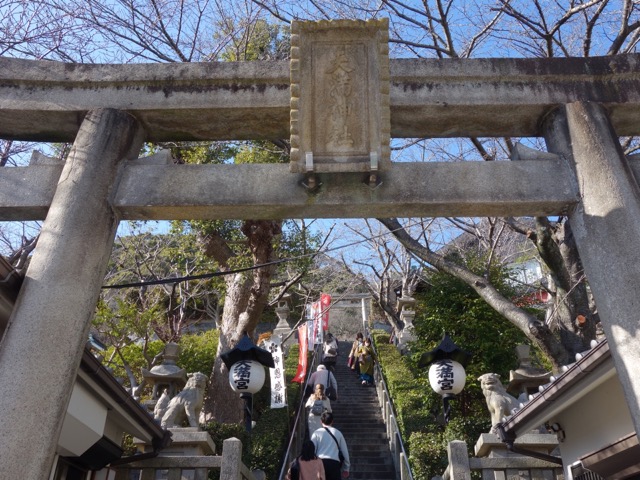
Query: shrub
column 198, row 351
column 419, row 412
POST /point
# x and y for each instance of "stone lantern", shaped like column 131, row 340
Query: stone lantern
column 166, row 376
column 282, row 311
column 526, row 379
column 405, row 305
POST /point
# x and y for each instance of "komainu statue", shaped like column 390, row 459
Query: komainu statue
column 161, row 405
column 499, row 402
column 186, row 405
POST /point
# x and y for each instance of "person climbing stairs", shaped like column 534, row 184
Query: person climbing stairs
column 357, row 414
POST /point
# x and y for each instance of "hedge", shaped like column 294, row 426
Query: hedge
column 417, row 409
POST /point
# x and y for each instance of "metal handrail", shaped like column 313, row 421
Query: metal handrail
column 400, row 457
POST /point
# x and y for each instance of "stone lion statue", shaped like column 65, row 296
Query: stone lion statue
column 161, row 405
column 499, row 402
column 186, row 405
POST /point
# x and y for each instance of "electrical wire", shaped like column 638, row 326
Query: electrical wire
column 174, row 280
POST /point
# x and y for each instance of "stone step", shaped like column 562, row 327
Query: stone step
column 379, row 450
column 370, row 442
column 354, row 430
column 357, row 414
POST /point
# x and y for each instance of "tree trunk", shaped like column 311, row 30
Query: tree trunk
column 246, row 297
column 572, row 311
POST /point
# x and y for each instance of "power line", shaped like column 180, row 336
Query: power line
column 219, row 273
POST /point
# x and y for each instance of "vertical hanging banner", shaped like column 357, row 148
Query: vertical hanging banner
column 314, row 325
column 325, row 303
column 310, row 331
column 316, row 310
column 278, row 380
column 311, row 338
column 302, row 355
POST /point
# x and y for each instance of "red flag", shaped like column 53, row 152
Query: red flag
column 325, row 303
column 302, row 355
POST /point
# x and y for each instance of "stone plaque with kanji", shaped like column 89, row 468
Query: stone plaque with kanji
column 339, row 96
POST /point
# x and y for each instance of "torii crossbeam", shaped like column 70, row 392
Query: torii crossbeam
column 580, row 107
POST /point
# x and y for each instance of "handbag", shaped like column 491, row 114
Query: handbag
column 340, row 455
column 294, row 471
column 308, row 390
column 330, row 391
column 331, row 394
column 350, row 361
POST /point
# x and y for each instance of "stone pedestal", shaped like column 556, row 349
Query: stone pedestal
column 185, row 442
column 490, row 445
column 189, row 441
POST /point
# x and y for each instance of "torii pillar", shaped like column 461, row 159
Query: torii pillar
column 43, row 344
column 606, row 226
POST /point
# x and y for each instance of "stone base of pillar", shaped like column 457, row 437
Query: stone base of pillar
column 189, row 441
column 283, row 329
column 406, row 336
column 490, row 445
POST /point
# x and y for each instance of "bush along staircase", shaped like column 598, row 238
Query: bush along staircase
column 357, row 414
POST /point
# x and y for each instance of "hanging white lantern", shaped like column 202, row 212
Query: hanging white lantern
column 447, row 377
column 246, row 376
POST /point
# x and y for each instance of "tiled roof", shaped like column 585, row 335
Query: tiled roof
column 590, row 369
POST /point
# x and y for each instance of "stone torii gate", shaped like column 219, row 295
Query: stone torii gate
column 340, row 168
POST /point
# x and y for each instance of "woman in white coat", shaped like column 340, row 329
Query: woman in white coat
column 317, row 403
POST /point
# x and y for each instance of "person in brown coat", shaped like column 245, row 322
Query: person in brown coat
column 353, row 354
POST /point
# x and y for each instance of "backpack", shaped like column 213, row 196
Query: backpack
column 318, row 407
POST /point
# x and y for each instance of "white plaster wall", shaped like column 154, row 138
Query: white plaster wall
column 83, row 424
column 594, row 421
column 113, row 430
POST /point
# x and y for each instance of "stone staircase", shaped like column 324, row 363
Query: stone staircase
column 358, row 416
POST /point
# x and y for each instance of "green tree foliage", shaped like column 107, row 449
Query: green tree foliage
column 161, row 310
column 197, row 354
column 260, row 41
column 131, row 319
column 198, row 351
column 450, row 305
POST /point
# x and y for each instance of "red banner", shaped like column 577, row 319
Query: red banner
column 325, row 303
column 302, row 355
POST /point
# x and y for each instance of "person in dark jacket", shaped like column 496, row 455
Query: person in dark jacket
column 326, row 379
column 330, row 352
